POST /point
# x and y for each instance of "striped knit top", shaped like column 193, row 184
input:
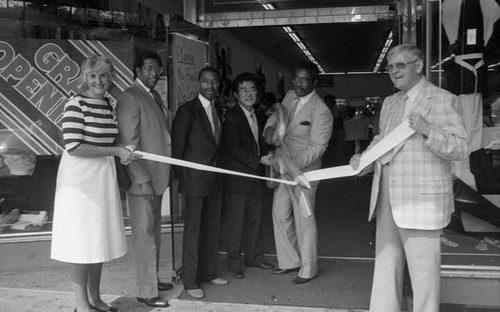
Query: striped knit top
column 88, row 121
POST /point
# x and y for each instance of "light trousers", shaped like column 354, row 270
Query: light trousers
column 145, row 221
column 422, row 251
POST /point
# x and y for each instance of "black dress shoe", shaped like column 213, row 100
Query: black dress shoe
column 300, row 280
column 284, row 271
column 162, row 286
column 155, row 302
column 236, row 274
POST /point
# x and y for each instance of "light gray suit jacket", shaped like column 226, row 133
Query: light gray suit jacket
column 307, row 135
column 143, row 124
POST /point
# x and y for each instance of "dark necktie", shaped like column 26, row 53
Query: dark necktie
column 159, row 102
column 255, row 130
column 215, row 122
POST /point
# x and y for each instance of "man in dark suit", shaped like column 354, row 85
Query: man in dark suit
column 243, row 146
column 196, row 137
column 144, row 122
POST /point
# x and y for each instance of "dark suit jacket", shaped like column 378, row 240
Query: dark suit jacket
column 240, row 150
column 193, row 140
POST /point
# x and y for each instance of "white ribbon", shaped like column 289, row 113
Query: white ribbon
column 393, row 139
column 193, row 165
column 390, row 141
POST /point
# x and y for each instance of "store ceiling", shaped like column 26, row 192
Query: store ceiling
column 338, row 47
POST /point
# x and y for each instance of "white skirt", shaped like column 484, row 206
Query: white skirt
column 88, row 220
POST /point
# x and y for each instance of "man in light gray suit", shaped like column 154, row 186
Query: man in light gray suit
column 307, row 132
column 144, row 122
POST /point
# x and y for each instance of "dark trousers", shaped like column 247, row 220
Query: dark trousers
column 201, row 238
column 244, row 224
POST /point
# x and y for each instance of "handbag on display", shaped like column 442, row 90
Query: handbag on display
column 122, row 175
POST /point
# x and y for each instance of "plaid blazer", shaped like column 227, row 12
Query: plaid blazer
column 420, row 178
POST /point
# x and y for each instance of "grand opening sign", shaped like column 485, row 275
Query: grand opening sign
column 37, row 77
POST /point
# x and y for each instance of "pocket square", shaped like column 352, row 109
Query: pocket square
column 305, row 123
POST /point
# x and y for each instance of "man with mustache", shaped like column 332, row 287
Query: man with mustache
column 196, row 136
column 306, row 132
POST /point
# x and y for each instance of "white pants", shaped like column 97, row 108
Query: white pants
column 420, row 248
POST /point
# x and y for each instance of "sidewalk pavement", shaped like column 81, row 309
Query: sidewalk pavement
column 50, row 290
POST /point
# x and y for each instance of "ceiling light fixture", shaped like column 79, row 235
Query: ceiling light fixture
column 387, row 45
column 294, row 37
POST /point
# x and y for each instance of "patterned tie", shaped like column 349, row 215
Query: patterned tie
column 158, row 99
column 215, row 122
column 396, row 120
column 296, row 102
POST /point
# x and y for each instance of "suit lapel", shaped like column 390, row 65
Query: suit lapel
column 422, row 102
column 205, row 121
column 246, row 126
column 151, row 102
column 303, row 112
column 421, row 105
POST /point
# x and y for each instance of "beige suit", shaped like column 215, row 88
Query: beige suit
column 413, row 198
column 306, row 138
column 143, row 124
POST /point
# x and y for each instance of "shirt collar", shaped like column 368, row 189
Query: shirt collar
column 306, row 98
column 148, row 90
column 204, row 101
column 247, row 112
column 412, row 93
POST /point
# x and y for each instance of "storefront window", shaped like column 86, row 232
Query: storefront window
column 465, row 61
column 39, row 67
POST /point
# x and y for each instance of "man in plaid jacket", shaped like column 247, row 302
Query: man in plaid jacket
column 412, row 184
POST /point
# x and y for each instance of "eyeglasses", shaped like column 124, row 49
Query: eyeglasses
column 399, row 65
column 149, row 69
column 300, row 81
column 247, row 91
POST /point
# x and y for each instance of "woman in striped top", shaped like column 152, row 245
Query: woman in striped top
column 88, row 222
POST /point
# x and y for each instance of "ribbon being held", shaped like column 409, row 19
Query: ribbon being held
column 281, row 161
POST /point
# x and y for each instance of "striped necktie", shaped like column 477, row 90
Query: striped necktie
column 158, row 100
column 293, row 109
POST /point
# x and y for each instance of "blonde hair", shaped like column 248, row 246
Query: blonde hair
column 95, row 64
